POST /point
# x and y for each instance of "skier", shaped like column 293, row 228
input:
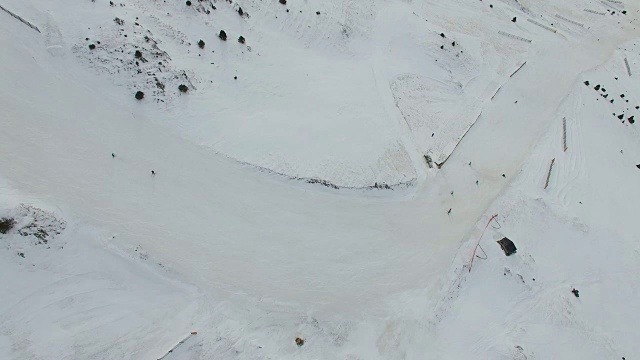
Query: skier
column 451, row 193
column 113, row 155
column 153, row 172
column 476, row 182
column 449, row 212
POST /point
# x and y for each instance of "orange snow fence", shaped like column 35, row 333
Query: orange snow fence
column 478, row 243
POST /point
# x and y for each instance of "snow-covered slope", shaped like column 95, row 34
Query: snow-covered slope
column 68, row 294
column 345, row 96
column 350, row 97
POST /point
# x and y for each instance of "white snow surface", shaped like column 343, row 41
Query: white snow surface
column 228, row 238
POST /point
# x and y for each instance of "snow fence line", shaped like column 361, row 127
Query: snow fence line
column 564, row 134
column 178, row 344
column 496, row 93
column 626, row 63
column 543, row 25
column 20, row 18
column 466, row 131
column 518, row 69
column 546, row 184
column 594, row 12
column 609, row 5
column 513, row 36
column 569, row 20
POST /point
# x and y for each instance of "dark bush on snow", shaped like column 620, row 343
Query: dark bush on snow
column 201, row 44
column 183, row 88
column 6, row 224
column 222, row 35
column 240, row 12
column 139, row 95
column 283, row 2
column 138, row 54
column 241, row 40
column 92, row 46
column 188, row 3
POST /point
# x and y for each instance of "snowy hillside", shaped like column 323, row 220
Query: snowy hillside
column 285, row 191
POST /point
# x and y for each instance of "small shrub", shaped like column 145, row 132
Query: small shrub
column 240, row 12
column 119, row 21
column 183, row 88
column 283, row 2
column 241, row 40
column 6, row 224
column 138, row 54
column 188, row 3
column 222, row 35
column 442, row 35
column 92, row 46
column 514, row 19
column 201, row 44
column 317, row 12
column 139, row 95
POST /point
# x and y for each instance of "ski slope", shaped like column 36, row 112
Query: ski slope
column 252, row 259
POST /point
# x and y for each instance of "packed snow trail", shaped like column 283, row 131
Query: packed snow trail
column 229, row 228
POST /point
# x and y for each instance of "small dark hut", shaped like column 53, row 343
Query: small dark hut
column 507, row 246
